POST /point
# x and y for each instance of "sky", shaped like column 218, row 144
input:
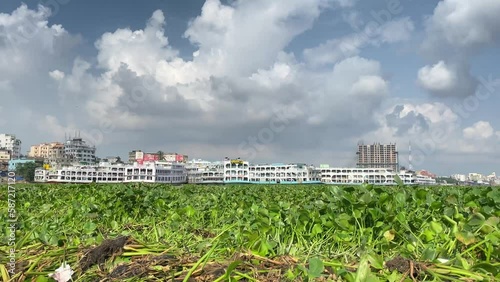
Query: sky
column 266, row 81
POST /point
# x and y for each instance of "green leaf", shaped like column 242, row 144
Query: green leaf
column 495, row 195
column 231, row 267
column 343, row 221
column 366, row 198
column 89, row 227
column 376, row 261
column 190, row 211
column 494, row 238
column 429, row 254
column 452, row 200
column 490, row 225
column 436, row 227
column 372, row 278
column 410, row 247
column 395, row 276
column 463, row 262
column 421, row 194
column 398, row 180
column 494, row 270
column 41, row 278
column 114, row 225
column 363, row 270
column 316, row 268
column 476, row 219
column 317, row 229
column 466, row 238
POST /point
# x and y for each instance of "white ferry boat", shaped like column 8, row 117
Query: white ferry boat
column 157, row 172
column 353, row 176
column 149, row 172
column 236, row 171
column 82, row 174
column 280, row 173
column 425, row 180
column 204, row 172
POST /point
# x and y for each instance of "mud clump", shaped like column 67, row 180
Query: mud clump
column 398, row 263
column 124, row 271
column 142, row 266
column 103, row 252
column 405, row 266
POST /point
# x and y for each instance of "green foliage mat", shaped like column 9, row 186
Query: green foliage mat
column 139, row 232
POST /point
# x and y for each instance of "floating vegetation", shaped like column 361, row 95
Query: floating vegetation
column 141, row 232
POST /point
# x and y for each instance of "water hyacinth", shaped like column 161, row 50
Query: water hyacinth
column 63, row 273
column 256, row 233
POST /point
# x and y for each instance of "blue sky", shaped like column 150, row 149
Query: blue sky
column 217, row 78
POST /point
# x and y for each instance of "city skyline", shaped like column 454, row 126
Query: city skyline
column 404, row 164
column 304, row 81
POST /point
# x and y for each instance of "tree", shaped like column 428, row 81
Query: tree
column 160, row 154
column 27, row 171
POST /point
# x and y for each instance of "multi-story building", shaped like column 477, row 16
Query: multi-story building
column 112, row 159
column 4, row 155
column 76, row 150
column 11, row 143
column 140, row 156
column 50, row 152
column 378, row 156
column 174, row 157
column 135, row 155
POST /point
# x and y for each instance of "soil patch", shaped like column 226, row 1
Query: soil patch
column 405, row 266
column 101, row 253
column 398, row 263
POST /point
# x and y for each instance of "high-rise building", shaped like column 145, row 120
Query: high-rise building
column 51, row 152
column 76, row 150
column 11, row 143
column 378, row 156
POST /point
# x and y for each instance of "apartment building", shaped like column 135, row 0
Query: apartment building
column 378, row 156
column 11, row 143
column 52, row 152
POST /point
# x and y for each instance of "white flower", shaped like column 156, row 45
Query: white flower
column 63, row 273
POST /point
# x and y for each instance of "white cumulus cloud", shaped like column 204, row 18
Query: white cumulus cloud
column 442, row 79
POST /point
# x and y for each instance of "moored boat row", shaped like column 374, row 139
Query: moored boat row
column 150, row 172
column 226, row 172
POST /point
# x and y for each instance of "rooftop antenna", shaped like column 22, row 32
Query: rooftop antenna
column 410, row 167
